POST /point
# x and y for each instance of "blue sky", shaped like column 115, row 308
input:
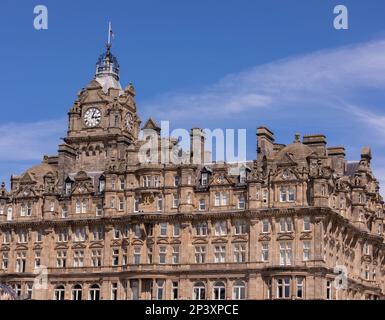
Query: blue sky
column 227, row 64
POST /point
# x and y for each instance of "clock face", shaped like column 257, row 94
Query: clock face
column 129, row 121
column 92, row 117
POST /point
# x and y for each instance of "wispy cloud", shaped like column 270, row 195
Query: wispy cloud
column 24, row 144
column 325, row 77
column 29, row 141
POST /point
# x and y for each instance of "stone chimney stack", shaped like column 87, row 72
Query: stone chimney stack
column 337, row 154
column 265, row 142
column 317, row 142
column 197, row 146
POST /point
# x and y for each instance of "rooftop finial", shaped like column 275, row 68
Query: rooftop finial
column 297, row 137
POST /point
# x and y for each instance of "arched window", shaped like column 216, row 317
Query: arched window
column 95, row 292
column 239, row 290
column 59, row 292
column 219, row 291
column 77, row 292
column 199, row 291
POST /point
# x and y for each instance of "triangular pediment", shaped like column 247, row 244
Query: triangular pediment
column 116, row 243
column 151, row 125
column 27, row 179
column 26, row 192
column 220, row 179
column 285, row 174
column 306, row 236
column 264, row 237
column 83, row 187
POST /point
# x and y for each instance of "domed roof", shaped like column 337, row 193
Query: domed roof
column 296, row 151
column 107, row 64
column 107, row 71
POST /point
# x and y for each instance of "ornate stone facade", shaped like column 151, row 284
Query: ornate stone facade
column 106, row 226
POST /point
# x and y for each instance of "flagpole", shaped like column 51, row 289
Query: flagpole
column 109, row 34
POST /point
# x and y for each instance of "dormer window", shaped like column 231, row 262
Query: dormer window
column 242, row 175
column 102, row 184
column 68, row 188
column 204, row 179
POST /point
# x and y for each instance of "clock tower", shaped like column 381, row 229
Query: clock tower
column 103, row 125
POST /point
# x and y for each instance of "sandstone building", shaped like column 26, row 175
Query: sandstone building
column 99, row 224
